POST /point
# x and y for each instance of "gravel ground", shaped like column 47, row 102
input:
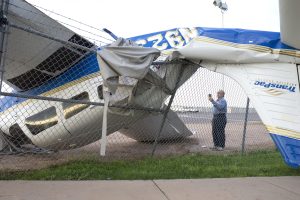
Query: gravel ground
column 122, row 147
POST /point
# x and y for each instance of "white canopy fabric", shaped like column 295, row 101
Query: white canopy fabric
column 122, row 64
column 125, row 58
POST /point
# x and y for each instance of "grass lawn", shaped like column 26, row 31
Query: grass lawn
column 267, row 163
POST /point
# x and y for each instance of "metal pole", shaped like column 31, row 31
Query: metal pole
column 3, row 38
column 223, row 82
column 25, row 96
column 245, row 126
column 167, row 110
column 222, row 18
column 222, row 27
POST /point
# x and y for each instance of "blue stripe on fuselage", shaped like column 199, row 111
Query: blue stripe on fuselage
column 242, row 36
column 90, row 65
column 239, row 36
column 86, row 66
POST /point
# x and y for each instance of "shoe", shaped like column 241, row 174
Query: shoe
column 214, row 148
column 220, row 149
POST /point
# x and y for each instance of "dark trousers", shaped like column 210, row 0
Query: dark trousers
column 218, row 129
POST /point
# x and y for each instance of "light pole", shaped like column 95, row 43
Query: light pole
column 223, row 8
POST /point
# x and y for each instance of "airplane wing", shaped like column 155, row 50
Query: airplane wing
column 268, row 71
column 174, row 128
column 29, row 55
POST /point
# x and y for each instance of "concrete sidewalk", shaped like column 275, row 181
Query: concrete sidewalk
column 272, row 188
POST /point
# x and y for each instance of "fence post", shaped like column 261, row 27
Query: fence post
column 3, row 38
column 245, row 125
column 167, row 110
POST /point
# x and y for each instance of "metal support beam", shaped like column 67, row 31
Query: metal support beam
column 178, row 61
column 3, row 38
column 245, row 126
column 167, row 110
column 25, row 96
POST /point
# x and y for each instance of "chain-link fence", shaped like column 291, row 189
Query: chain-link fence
column 52, row 103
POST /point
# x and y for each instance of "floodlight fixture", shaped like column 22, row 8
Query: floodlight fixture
column 222, row 5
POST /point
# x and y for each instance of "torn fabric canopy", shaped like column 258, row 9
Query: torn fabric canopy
column 122, row 64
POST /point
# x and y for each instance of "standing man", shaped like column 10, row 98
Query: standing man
column 219, row 120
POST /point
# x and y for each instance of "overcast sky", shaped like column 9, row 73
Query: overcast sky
column 135, row 17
